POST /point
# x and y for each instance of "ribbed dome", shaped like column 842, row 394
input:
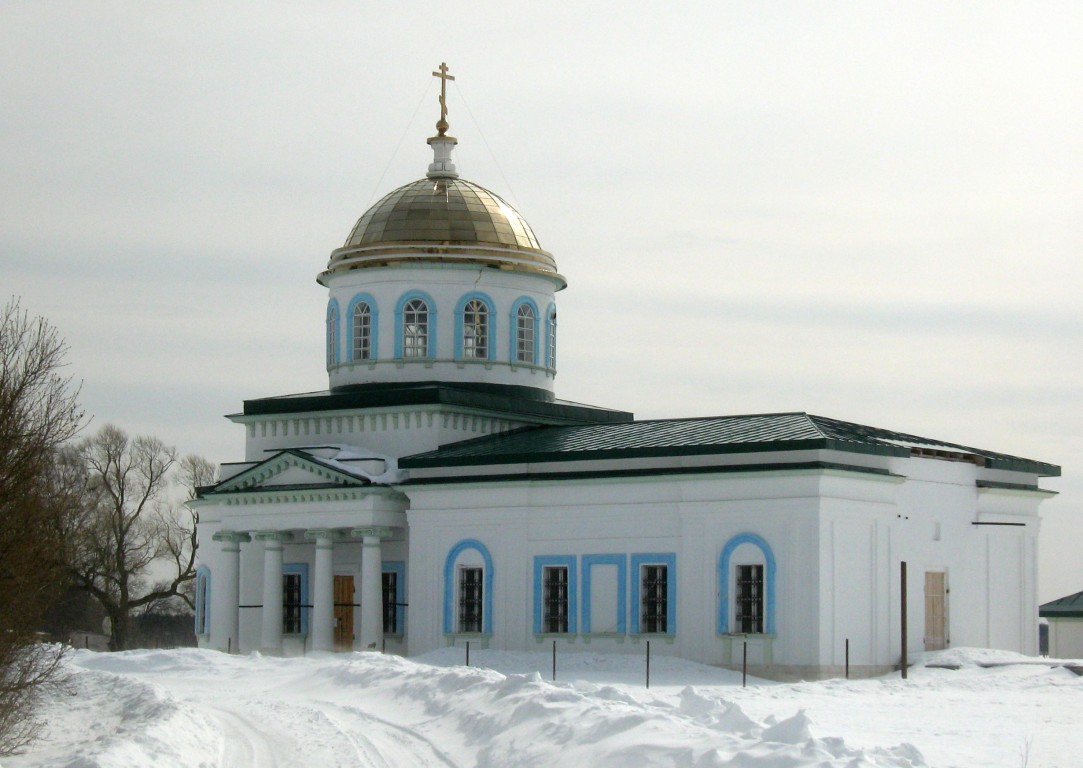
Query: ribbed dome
column 444, row 220
column 446, row 211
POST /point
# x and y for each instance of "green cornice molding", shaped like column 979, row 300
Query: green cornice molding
column 757, row 471
column 1013, row 489
column 300, row 495
column 377, row 531
column 279, row 536
column 331, row 534
column 231, row 536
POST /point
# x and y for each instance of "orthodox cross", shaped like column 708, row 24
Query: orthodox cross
column 444, row 77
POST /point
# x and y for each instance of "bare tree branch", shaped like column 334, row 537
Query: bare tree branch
column 132, row 525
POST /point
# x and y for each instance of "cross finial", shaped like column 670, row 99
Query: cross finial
column 442, row 125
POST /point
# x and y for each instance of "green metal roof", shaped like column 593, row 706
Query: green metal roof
column 1066, row 607
column 723, row 434
column 526, row 403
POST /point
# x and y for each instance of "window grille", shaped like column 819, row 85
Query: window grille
column 362, row 332
column 291, row 603
column 524, row 334
column 654, row 606
column 749, row 599
column 553, row 339
column 332, row 336
column 202, row 596
column 415, row 329
column 391, row 600
column 476, row 329
column 555, row 599
column 470, row 600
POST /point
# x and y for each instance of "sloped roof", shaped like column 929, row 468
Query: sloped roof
column 1065, row 607
column 525, row 403
column 706, row 435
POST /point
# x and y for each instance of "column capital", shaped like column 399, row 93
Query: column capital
column 231, row 536
column 373, row 531
column 334, row 534
column 274, row 536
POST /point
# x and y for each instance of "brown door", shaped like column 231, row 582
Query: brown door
column 343, row 613
column 936, row 636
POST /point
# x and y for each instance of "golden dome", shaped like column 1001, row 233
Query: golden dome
column 443, row 219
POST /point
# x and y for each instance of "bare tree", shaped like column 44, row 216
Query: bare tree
column 130, row 526
column 39, row 411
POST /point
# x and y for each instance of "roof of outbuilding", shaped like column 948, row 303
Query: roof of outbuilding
column 723, row 434
column 1065, row 607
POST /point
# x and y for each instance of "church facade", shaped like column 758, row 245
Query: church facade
column 438, row 492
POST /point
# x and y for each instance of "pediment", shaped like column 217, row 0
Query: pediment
column 290, row 469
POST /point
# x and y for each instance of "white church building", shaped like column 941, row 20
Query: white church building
column 439, row 492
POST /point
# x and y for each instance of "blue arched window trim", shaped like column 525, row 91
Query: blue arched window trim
column 514, row 346
column 203, row 600
column 334, row 345
column 374, row 329
column 550, row 336
column 460, row 309
column 449, row 585
column 431, row 306
column 724, row 575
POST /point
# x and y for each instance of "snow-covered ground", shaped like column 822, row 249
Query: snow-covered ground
column 202, row 708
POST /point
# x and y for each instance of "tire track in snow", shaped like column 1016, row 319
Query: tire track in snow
column 413, row 751
column 243, row 743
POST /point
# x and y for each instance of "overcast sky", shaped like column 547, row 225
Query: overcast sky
column 868, row 211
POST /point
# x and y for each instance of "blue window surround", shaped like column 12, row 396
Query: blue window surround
column 302, row 569
column 514, row 352
column 430, row 349
column 375, row 324
column 540, row 561
column 398, row 567
column 668, row 559
column 203, row 600
column 491, row 328
column 621, row 561
column 449, row 586
column 333, row 349
column 550, row 329
column 724, row 580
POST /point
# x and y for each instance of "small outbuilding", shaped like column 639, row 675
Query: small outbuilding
column 1065, row 617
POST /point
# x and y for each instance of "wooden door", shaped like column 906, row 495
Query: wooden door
column 343, row 613
column 936, row 624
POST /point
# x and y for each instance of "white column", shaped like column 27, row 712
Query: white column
column 322, row 625
column 225, row 630
column 271, row 634
column 372, row 610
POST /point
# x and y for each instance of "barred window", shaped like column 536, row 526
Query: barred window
column 470, row 600
column 362, row 331
column 654, row 607
column 415, row 329
column 524, row 334
column 552, row 362
column 332, row 336
column 749, row 599
column 476, row 329
column 203, row 595
column 391, row 602
column 291, row 603
column 555, row 599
